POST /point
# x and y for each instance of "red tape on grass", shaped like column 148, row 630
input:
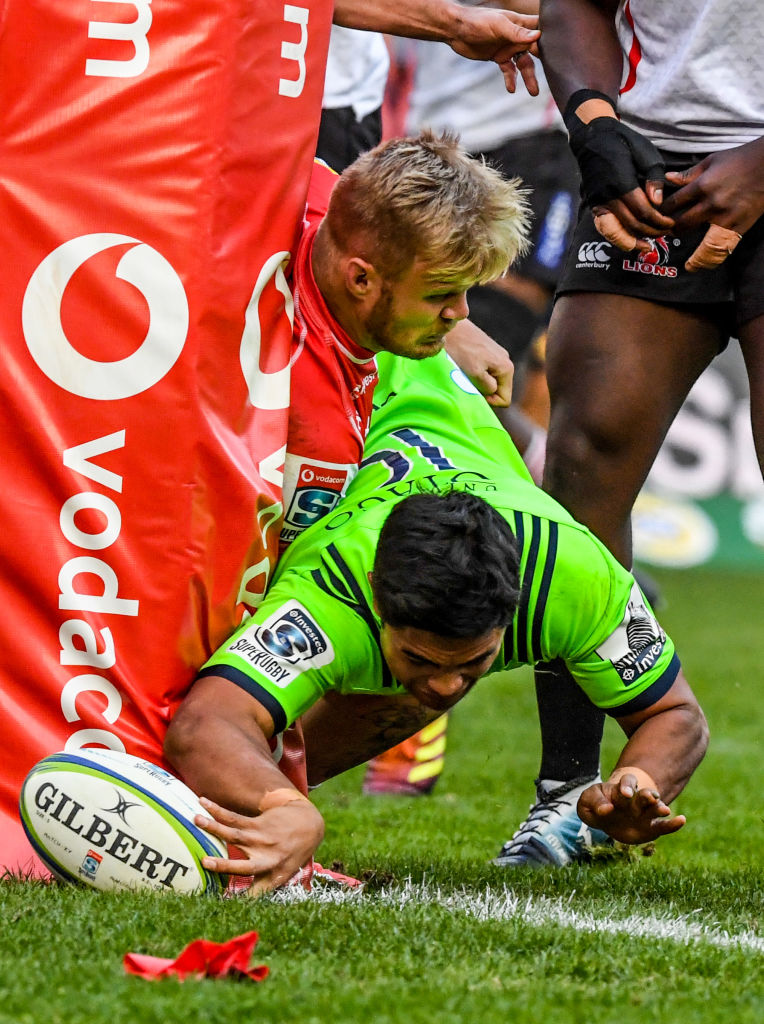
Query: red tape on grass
column 201, row 959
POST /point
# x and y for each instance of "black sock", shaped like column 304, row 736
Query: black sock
column 571, row 726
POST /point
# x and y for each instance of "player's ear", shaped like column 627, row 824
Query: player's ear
column 362, row 281
column 370, row 577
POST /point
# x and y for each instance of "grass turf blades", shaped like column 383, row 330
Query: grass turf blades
column 440, row 935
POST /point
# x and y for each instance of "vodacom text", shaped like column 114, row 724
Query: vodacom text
column 79, row 643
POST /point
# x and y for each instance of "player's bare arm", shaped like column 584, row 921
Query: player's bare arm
column 666, row 743
column 218, row 742
column 726, row 191
column 486, row 363
column 479, row 33
column 344, row 731
column 582, row 60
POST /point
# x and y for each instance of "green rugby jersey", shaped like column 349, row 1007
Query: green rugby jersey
column 316, row 629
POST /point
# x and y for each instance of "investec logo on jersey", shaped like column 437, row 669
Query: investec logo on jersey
column 287, row 643
column 637, row 643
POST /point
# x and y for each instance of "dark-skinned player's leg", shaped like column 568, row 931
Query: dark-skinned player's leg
column 751, row 336
column 619, row 369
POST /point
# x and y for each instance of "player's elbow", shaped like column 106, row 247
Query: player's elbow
column 701, row 732
column 695, row 727
column 182, row 737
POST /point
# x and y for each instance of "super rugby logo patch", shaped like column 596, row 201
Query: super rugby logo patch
column 288, row 643
column 311, row 490
column 637, row 643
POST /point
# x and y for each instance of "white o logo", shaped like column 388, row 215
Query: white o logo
column 142, row 267
column 308, row 476
column 266, row 390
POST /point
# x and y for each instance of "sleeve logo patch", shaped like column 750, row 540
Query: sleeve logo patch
column 311, row 490
column 288, row 643
column 637, row 643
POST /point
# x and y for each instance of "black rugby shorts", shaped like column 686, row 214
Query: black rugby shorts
column 733, row 292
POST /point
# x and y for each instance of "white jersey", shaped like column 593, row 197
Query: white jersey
column 356, row 71
column 693, row 79
column 469, row 97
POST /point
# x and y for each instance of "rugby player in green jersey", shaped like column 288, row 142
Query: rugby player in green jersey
column 444, row 563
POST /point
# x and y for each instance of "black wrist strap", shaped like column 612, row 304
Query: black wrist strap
column 580, row 97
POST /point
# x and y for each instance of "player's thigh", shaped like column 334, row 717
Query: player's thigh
column 748, row 265
column 619, row 369
column 342, row 731
column 752, row 344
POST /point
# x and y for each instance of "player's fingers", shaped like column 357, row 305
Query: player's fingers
column 611, row 228
column 258, row 889
column 221, row 814
column 503, row 378
column 526, row 21
column 485, row 382
column 227, row 833
column 225, row 866
column 527, row 69
column 495, row 388
column 649, row 801
column 716, row 245
column 273, row 877
column 626, row 786
column 509, row 71
column 687, row 193
column 613, row 231
column 665, row 826
column 685, row 177
column 637, row 213
column 501, row 396
column 654, row 190
column 593, row 804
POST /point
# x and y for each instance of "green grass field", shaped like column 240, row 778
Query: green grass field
column 439, row 936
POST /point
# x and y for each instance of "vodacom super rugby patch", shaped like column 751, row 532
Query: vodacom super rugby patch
column 311, row 490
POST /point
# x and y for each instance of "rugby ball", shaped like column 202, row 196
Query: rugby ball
column 109, row 820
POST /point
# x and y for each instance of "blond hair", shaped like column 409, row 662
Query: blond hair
column 426, row 198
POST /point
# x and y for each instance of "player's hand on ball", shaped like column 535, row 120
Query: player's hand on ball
column 627, row 813
column 275, row 844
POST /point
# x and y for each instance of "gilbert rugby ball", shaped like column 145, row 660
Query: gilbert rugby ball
column 109, row 820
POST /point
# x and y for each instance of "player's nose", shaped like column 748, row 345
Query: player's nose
column 446, row 684
column 457, row 309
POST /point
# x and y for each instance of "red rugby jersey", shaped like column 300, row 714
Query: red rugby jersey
column 332, row 384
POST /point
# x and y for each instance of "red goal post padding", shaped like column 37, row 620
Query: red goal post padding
column 155, row 160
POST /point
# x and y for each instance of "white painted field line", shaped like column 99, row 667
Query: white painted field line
column 504, row 905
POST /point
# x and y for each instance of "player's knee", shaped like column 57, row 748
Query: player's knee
column 593, row 480
column 572, row 455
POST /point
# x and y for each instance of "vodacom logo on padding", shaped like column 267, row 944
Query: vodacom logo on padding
column 145, row 269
